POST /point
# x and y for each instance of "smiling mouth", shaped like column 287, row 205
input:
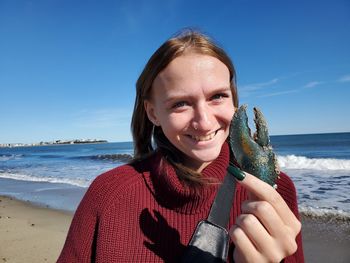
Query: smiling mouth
column 205, row 137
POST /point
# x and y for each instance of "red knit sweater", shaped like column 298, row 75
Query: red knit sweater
column 135, row 213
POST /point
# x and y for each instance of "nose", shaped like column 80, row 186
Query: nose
column 203, row 118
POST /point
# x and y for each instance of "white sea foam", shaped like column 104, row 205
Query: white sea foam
column 302, row 162
column 325, row 213
column 32, row 178
column 7, row 157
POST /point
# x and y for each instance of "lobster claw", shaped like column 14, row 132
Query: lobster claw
column 254, row 155
column 262, row 134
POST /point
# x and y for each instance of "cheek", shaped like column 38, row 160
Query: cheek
column 173, row 124
column 229, row 114
column 226, row 113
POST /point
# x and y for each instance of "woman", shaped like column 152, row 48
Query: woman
column 146, row 211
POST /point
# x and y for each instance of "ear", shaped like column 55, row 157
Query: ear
column 151, row 114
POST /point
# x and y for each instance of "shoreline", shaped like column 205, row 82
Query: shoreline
column 52, row 195
column 39, row 233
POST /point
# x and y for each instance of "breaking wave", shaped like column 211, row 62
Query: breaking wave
column 31, row 178
column 7, row 157
column 120, row 157
column 302, row 162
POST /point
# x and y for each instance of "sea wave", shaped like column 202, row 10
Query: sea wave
column 302, row 162
column 120, row 157
column 7, row 157
column 31, row 178
column 51, row 156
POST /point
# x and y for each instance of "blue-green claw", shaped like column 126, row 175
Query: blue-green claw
column 254, row 155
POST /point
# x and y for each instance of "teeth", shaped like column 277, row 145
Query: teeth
column 204, row 138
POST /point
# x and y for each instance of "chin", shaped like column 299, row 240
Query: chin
column 206, row 156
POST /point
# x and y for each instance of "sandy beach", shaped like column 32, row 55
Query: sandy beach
column 30, row 233
column 326, row 240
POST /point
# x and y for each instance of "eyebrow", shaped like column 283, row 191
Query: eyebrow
column 186, row 96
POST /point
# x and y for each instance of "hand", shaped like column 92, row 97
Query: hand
column 267, row 228
column 254, row 156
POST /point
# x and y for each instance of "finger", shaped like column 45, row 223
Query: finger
column 245, row 250
column 266, row 215
column 266, row 192
column 255, row 231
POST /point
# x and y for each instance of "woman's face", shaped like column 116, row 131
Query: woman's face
column 191, row 101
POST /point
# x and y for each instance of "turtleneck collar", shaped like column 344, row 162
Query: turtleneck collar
column 170, row 192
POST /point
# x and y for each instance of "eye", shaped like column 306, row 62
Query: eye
column 219, row 96
column 179, row 104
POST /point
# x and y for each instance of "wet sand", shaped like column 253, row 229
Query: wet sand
column 326, row 240
column 30, row 233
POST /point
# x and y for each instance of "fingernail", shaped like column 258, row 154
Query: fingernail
column 239, row 174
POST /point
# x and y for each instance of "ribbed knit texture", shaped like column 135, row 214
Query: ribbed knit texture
column 143, row 213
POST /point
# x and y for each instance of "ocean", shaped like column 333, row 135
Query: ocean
column 57, row 176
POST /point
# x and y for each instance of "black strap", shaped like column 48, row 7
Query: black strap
column 220, row 210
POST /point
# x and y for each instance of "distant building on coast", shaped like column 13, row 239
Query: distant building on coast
column 56, row 142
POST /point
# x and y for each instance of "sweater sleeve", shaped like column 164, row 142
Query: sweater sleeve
column 79, row 244
column 287, row 190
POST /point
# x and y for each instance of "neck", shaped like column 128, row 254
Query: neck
column 170, row 192
column 196, row 166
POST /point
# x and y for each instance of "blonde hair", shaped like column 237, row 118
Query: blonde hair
column 142, row 128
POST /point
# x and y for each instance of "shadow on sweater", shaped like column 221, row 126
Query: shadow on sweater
column 164, row 240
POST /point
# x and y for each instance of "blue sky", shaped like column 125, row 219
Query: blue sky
column 68, row 68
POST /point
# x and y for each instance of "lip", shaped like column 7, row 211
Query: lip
column 203, row 139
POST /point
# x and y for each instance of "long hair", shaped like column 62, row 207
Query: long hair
column 142, row 128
